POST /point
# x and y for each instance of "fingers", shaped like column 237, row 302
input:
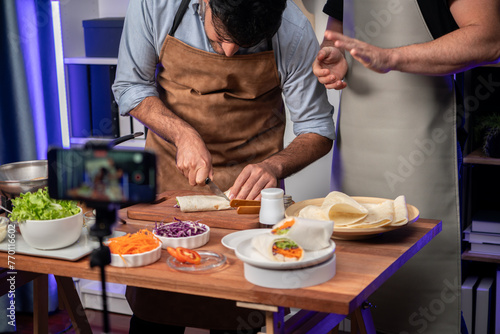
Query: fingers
column 320, row 71
column 198, row 176
column 195, row 164
column 338, row 85
column 346, row 43
column 252, row 179
column 322, row 53
column 332, row 35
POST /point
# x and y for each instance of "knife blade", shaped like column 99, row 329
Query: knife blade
column 213, row 187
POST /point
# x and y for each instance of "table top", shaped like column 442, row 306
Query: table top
column 362, row 267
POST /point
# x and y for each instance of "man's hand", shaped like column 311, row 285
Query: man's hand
column 297, row 155
column 330, row 67
column 252, row 179
column 372, row 57
column 194, row 160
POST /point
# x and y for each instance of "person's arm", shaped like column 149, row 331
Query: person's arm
column 330, row 65
column 302, row 151
column 475, row 43
column 193, row 159
column 309, row 110
column 136, row 92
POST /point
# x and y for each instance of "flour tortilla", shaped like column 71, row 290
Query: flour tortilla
column 313, row 212
column 264, row 244
column 400, row 211
column 387, row 213
column 308, row 233
column 381, row 214
column 342, row 209
column 198, row 203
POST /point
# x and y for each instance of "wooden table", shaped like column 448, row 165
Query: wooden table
column 362, row 267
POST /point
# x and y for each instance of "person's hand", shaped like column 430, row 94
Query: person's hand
column 252, row 179
column 330, row 67
column 194, row 160
column 372, row 57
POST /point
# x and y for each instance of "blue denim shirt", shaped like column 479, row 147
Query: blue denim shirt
column 148, row 22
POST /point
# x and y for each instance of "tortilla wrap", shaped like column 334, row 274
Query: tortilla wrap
column 381, row 214
column 310, row 234
column 342, row 209
column 400, row 211
column 313, row 212
column 197, row 203
column 264, row 243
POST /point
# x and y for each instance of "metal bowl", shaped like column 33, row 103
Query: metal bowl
column 22, row 177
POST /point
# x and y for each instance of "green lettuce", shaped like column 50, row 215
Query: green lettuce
column 39, row 206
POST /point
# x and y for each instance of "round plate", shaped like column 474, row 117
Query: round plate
column 209, row 260
column 347, row 233
column 233, row 239
column 248, row 254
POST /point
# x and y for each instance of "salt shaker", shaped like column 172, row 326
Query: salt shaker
column 272, row 208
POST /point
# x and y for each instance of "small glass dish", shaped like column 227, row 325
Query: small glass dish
column 209, row 260
column 89, row 219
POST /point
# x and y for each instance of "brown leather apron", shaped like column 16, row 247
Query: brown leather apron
column 236, row 106
column 234, row 103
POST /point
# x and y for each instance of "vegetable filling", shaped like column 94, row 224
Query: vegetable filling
column 287, row 248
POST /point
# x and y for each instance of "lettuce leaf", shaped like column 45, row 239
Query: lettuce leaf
column 39, row 206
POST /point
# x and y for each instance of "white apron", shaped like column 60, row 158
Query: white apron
column 397, row 136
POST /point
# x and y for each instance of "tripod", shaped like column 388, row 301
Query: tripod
column 105, row 218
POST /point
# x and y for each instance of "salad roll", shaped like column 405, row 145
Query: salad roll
column 310, row 234
column 196, row 203
column 276, row 248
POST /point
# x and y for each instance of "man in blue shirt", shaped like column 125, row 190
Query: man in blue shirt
column 221, row 113
column 208, row 79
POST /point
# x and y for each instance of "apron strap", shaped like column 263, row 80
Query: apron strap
column 179, row 15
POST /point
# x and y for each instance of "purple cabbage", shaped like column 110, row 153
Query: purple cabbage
column 179, row 229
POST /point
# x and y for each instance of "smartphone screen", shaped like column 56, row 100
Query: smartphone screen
column 102, row 176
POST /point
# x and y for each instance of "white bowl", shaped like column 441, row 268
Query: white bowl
column 191, row 242
column 52, row 233
column 136, row 260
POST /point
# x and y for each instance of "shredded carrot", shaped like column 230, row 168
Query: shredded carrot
column 140, row 242
column 290, row 252
column 283, row 228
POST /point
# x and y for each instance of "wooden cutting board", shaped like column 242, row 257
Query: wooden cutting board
column 166, row 211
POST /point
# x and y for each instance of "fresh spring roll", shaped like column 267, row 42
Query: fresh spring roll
column 196, row 203
column 276, row 248
column 310, row 234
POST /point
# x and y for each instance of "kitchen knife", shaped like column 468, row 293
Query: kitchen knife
column 213, row 187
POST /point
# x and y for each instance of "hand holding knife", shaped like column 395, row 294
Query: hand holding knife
column 213, row 187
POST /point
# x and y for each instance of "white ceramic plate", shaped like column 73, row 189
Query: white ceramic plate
column 246, row 253
column 233, row 239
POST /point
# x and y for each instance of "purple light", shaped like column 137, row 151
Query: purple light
column 28, row 40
